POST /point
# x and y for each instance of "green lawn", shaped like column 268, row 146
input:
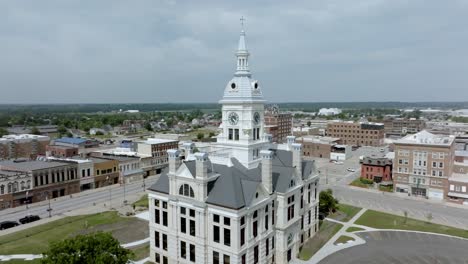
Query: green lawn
column 326, row 231
column 381, row 220
column 17, row 261
column 386, row 188
column 359, row 182
column 345, row 212
column 143, row 202
column 343, row 239
column 353, row 229
column 35, row 240
column 141, row 251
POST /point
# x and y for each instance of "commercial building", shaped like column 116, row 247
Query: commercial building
column 378, row 168
column 50, row 179
column 13, row 188
column 106, row 172
column 85, row 170
column 277, row 124
column 329, row 111
column 357, row 133
column 79, row 143
column 61, row 151
column 244, row 200
column 129, row 166
column 423, row 163
column 341, row 152
column 316, row 146
column 401, row 127
column 23, row 146
column 157, row 149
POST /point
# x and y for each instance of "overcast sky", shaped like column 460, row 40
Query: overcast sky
column 155, row 51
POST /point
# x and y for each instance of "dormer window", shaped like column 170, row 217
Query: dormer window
column 292, row 183
column 186, row 190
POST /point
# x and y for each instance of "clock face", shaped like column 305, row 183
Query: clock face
column 233, row 118
column 256, row 117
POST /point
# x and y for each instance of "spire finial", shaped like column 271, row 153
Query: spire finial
column 242, row 19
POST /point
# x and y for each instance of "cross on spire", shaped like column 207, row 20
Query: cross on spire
column 242, row 19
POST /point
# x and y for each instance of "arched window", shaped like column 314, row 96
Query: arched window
column 2, row 189
column 186, row 190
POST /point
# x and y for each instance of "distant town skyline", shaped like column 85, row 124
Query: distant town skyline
column 171, row 51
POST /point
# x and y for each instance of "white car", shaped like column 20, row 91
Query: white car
column 350, row 169
column 339, row 163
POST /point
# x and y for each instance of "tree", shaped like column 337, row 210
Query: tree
column 212, row 134
column 200, row 136
column 35, row 131
column 405, row 214
column 3, row 132
column 62, row 130
column 92, row 248
column 327, row 203
column 309, row 123
column 148, row 127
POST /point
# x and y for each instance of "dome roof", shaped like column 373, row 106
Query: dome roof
column 241, row 89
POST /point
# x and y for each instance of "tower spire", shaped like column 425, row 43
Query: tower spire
column 242, row 54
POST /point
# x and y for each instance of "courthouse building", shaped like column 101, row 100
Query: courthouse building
column 243, row 199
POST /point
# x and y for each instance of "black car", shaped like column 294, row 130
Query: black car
column 8, row 224
column 29, row 219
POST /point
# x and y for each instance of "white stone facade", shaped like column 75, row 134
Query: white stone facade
column 247, row 201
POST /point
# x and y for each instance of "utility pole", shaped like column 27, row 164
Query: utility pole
column 49, row 209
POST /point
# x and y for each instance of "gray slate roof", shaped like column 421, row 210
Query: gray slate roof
column 236, row 186
column 30, row 165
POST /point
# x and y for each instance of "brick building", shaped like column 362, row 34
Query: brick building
column 357, row 133
column 157, row 149
column 23, row 146
column 423, row 163
column 377, row 168
column 61, row 151
column 278, row 125
column 50, row 179
column 13, row 188
column 401, row 126
column 316, row 146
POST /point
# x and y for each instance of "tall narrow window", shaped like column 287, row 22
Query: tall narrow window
column 227, row 237
column 192, row 253
column 183, row 250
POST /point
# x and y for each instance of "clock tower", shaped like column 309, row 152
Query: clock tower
column 242, row 127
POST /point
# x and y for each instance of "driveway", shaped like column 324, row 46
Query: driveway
column 394, row 247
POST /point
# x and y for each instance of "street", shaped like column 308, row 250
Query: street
column 78, row 200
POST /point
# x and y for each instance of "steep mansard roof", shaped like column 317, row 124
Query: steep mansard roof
column 236, row 186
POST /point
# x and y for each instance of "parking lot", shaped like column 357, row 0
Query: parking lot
column 403, row 247
column 331, row 173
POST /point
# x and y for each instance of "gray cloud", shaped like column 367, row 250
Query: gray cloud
column 183, row 51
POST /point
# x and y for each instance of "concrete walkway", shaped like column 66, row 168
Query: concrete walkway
column 330, row 247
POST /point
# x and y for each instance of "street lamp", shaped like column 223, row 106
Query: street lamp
column 48, row 209
column 110, row 191
column 123, row 179
column 144, row 185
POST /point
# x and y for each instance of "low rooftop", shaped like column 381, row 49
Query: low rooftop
column 29, row 165
column 426, row 138
column 157, row 141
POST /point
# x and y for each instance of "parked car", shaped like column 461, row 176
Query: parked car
column 8, row 224
column 29, row 219
column 339, row 163
column 350, row 169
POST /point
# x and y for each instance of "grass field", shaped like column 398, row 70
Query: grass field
column 35, row 240
column 143, row 202
column 345, row 212
column 353, row 229
column 326, row 231
column 381, row 220
column 343, row 239
column 141, row 251
column 17, row 261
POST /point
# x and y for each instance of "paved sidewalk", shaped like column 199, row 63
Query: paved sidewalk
column 330, row 247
